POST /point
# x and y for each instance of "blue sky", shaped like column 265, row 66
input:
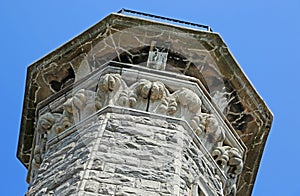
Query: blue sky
column 262, row 35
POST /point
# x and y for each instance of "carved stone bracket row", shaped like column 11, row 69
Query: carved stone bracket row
column 145, row 95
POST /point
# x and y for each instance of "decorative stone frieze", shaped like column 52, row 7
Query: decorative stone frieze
column 142, row 95
column 140, row 107
column 179, row 99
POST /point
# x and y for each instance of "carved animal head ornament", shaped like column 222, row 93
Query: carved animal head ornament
column 53, row 123
column 235, row 162
column 45, row 123
column 67, row 107
column 109, row 88
column 109, row 82
column 152, row 90
column 229, row 159
column 167, row 105
column 143, row 88
column 198, row 124
column 213, row 130
column 172, row 106
column 189, row 99
column 157, row 91
column 79, row 99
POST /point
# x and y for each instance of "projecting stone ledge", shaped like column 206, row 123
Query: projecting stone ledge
column 160, row 69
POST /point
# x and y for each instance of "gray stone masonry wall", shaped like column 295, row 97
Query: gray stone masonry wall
column 156, row 70
column 145, row 137
column 118, row 154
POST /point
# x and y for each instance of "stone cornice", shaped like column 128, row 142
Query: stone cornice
column 213, row 65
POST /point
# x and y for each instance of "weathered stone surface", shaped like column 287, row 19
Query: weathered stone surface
column 190, row 119
column 152, row 168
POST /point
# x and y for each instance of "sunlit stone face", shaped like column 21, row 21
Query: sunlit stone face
column 77, row 71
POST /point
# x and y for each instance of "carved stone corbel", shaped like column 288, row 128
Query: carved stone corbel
column 109, row 89
column 230, row 161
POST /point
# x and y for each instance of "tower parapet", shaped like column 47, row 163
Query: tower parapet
column 134, row 106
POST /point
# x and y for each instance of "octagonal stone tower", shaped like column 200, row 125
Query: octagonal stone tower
column 136, row 106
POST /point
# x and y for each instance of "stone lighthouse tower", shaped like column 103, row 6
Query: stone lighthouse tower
column 141, row 105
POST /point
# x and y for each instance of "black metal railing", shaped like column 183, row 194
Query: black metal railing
column 181, row 22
